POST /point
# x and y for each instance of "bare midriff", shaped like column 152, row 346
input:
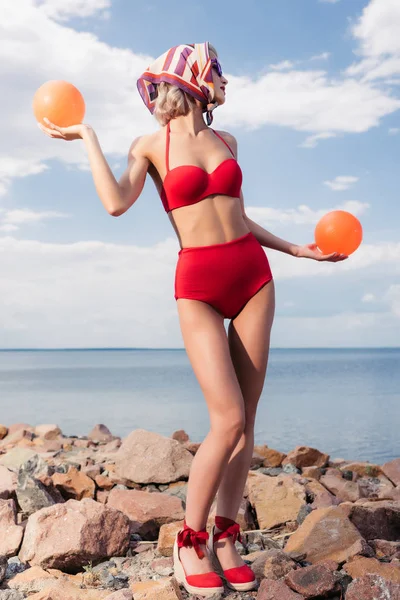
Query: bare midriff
column 214, row 220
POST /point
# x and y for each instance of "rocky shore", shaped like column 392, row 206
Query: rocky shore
column 94, row 517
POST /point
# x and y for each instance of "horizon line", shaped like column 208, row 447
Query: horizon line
column 149, row 348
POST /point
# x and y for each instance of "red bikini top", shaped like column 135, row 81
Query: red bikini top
column 188, row 184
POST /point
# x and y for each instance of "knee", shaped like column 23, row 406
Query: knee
column 231, row 426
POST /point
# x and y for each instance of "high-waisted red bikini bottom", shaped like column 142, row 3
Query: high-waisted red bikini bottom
column 224, row 275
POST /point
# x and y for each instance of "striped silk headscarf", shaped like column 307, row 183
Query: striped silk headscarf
column 187, row 66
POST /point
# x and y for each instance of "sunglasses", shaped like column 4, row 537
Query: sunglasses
column 215, row 64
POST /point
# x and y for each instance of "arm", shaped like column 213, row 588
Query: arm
column 116, row 197
column 266, row 238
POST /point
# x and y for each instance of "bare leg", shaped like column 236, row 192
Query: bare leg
column 207, row 346
column 249, row 340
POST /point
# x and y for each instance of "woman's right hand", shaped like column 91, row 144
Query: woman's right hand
column 74, row 132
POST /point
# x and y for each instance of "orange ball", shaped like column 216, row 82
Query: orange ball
column 338, row 231
column 59, row 101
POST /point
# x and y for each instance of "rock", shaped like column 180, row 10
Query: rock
column 100, row 433
column 379, row 488
column 74, row 484
column 68, row 536
column 111, row 447
column 178, row 489
column 315, row 580
column 256, row 461
column 41, row 445
column 3, row 431
column 63, row 590
column 372, row 587
column 91, row 471
column 3, row 567
column 167, row 536
column 321, row 497
column 384, row 548
column 11, row 534
column 104, row 483
column 16, row 457
column 276, row 590
column 18, row 426
column 312, row 472
column 147, row 457
column 272, row 458
column 120, row 595
column 31, row 580
column 360, row 566
column 165, row 588
column 8, row 483
column 276, row 499
column 304, row 456
column 272, row 564
column 377, row 520
column 342, row 489
column 16, row 437
column 271, row 471
column 290, row 469
column 32, row 495
column 180, row 436
column 102, row 496
column 146, row 511
column 392, row 471
column 15, row 566
column 11, row 595
column 48, row 432
column 327, row 533
column 363, row 469
column 192, row 447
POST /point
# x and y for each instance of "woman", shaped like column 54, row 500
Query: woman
column 222, row 272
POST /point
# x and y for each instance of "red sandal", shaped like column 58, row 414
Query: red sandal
column 203, row 584
column 241, row 579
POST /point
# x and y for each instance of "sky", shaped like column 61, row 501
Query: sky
column 313, row 100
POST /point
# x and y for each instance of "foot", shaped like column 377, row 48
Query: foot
column 192, row 564
column 226, row 552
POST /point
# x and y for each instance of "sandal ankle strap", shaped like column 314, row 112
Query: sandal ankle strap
column 228, row 528
column 189, row 537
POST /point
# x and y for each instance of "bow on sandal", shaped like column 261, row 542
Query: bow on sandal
column 241, row 579
column 202, row 584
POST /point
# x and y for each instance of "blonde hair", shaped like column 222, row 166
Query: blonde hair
column 172, row 102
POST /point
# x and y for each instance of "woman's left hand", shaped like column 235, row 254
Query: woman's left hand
column 312, row 251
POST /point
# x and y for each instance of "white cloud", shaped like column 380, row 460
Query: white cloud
column 394, row 130
column 322, row 56
column 377, row 31
column 14, row 168
column 346, row 329
column 329, row 1
column 302, row 215
column 312, row 140
column 282, row 66
column 11, row 219
column 63, row 10
column 368, row 298
column 341, row 183
column 34, row 49
column 100, row 294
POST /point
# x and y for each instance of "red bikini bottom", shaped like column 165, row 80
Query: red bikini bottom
column 224, row 275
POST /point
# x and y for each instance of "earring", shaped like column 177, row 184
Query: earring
column 209, row 115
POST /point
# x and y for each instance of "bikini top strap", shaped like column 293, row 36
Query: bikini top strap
column 167, row 147
column 221, row 138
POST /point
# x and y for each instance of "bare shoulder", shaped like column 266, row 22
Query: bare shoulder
column 229, row 139
column 142, row 146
